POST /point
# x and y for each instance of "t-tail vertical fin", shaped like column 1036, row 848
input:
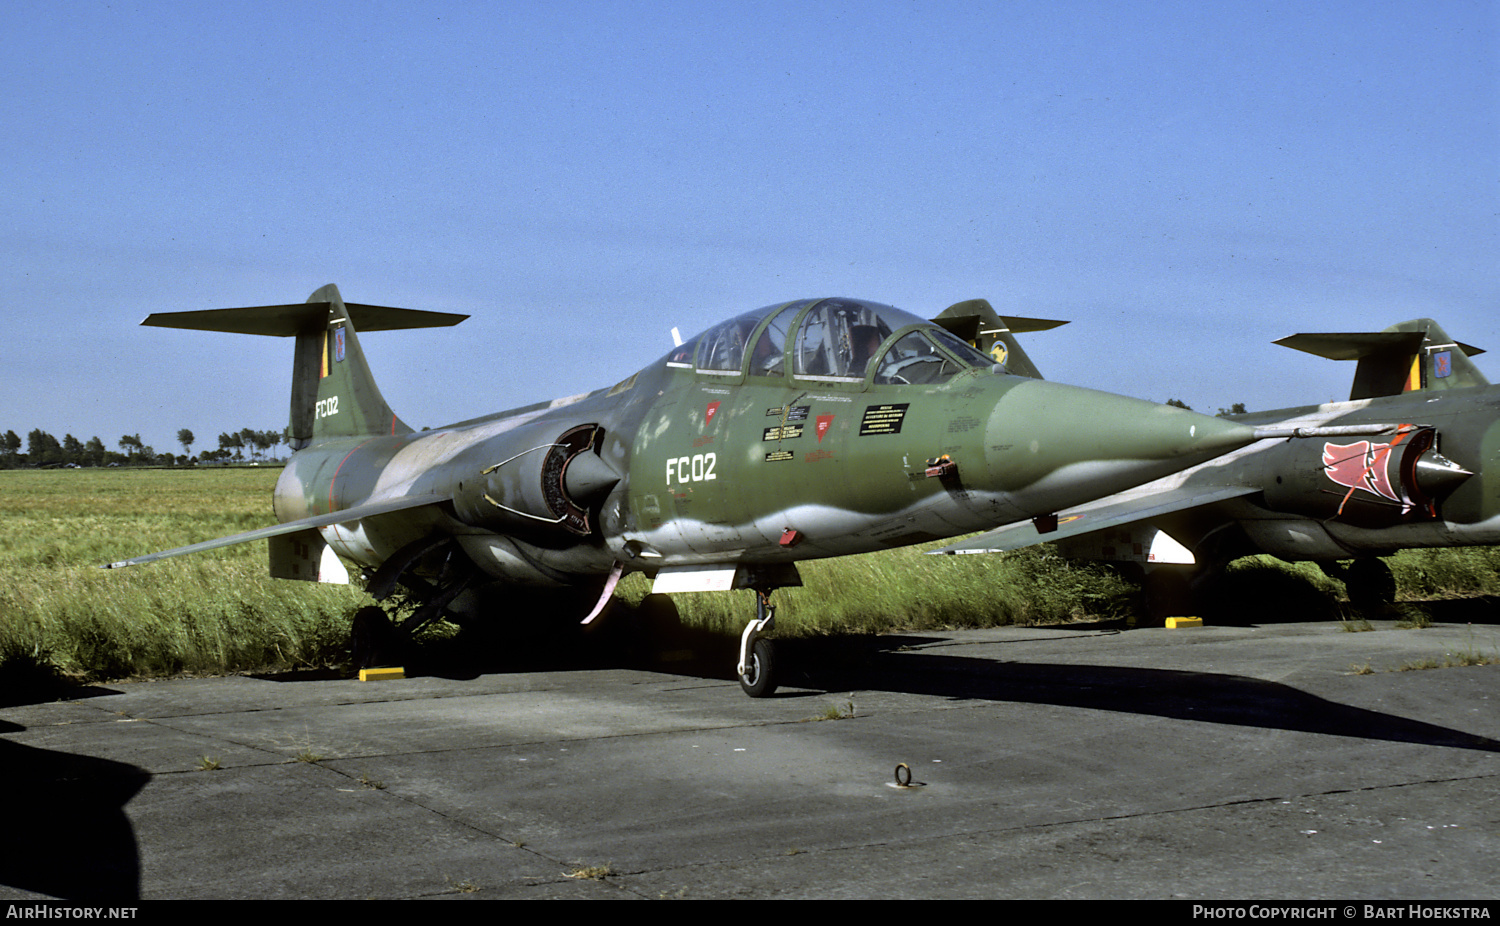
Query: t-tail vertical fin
column 1408, row 356
column 975, row 321
column 333, row 392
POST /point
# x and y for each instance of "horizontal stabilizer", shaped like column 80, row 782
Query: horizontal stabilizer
column 1406, row 357
column 975, row 321
column 334, row 394
column 1016, row 324
column 284, row 321
column 357, row 513
column 1087, row 520
column 1358, row 345
column 1353, row 345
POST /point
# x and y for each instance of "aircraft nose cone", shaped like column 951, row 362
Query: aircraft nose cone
column 1065, row 445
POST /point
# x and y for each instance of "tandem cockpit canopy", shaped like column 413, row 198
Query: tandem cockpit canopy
column 830, row 340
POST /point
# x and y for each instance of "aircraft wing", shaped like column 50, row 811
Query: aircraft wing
column 357, row 513
column 1109, row 512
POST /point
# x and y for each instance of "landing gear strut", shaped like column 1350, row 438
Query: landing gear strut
column 756, row 668
column 375, row 638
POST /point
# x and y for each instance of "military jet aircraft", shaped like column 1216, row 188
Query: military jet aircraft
column 805, row 429
column 1339, row 498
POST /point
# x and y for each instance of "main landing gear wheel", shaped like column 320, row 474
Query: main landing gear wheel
column 1168, row 593
column 1370, row 584
column 372, row 637
column 759, row 678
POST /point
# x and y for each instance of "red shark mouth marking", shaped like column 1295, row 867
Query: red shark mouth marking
column 1365, row 466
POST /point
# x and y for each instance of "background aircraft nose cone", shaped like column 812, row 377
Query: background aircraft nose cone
column 1071, row 423
column 1066, row 445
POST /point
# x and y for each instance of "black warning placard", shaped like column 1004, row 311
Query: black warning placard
column 789, row 412
column 784, row 432
column 883, row 419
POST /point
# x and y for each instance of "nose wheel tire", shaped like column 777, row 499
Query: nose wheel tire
column 759, row 679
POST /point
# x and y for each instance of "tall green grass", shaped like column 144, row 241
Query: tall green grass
column 1450, row 572
column 209, row 613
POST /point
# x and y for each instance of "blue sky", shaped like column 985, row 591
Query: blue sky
column 1184, row 181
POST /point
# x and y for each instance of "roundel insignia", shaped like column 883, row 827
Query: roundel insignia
column 998, row 351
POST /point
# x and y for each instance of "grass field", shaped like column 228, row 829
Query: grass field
column 210, row 613
column 217, row 612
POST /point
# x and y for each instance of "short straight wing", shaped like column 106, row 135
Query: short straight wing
column 357, row 513
column 1106, row 513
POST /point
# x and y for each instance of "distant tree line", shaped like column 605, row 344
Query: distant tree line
column 44, row 450
column 1237, row 408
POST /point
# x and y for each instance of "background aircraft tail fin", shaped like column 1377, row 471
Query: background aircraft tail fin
column 333, row 392
column 1406, row 357
column 976, row 321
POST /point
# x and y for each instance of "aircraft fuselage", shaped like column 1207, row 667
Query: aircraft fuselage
column 741, row 473
column 1335, row 499
column 685, row 464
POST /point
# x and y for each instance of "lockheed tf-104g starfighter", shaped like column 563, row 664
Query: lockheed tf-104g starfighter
column 806, row 429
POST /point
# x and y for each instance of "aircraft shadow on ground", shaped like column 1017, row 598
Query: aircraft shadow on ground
column 1181, row 695
column 1266, row 595
column 66, row 831
column 895, row 663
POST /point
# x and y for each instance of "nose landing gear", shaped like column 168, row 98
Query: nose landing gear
column 756, row 668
